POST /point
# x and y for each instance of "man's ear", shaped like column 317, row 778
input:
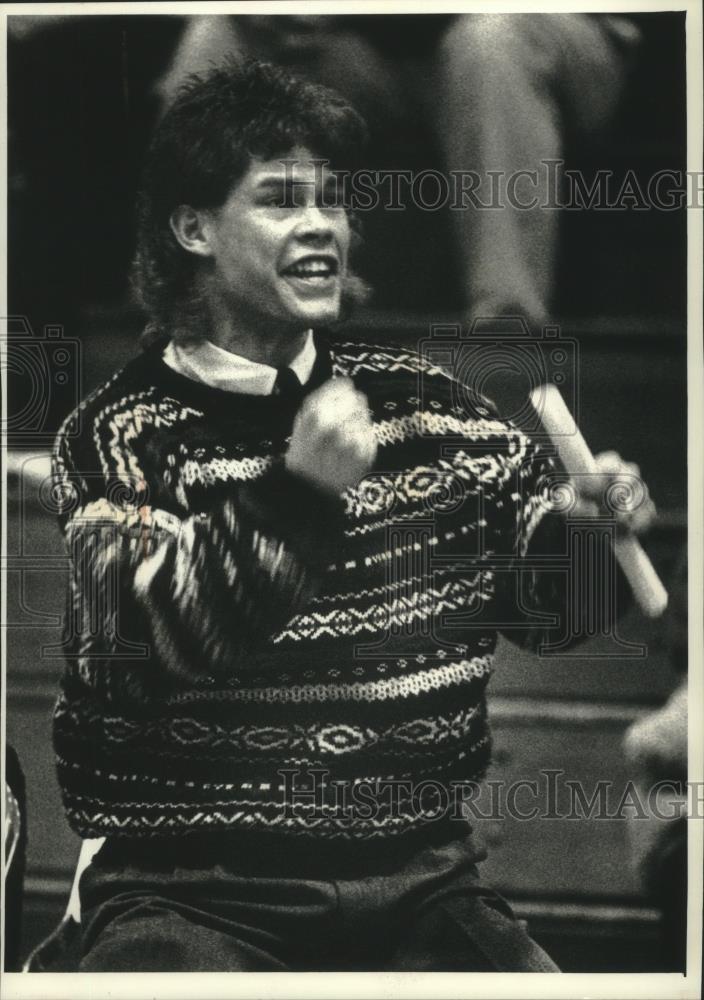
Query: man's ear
column 187, row 225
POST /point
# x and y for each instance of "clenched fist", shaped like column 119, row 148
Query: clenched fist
column 333, row 443
column 617, row 491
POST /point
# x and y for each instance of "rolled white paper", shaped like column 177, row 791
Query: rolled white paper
column 576, row 457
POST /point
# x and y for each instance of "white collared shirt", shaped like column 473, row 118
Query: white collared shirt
column 205, row 362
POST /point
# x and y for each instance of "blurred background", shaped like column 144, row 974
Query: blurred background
column 441, row 92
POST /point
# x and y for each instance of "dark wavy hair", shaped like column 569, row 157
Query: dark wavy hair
column 203, row 146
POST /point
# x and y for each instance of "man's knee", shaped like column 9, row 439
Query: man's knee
column 144, row 938
column 154, row 935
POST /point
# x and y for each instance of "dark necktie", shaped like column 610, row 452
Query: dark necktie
column 287, row 385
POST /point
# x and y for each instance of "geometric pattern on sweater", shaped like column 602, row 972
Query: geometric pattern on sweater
column 307, row 744
column 244, row 810
column 405, row 686
column 262, row 806
column 454, row 595
column 227, row 623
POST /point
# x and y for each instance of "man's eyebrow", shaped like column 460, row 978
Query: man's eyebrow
column 290, row 182
column 279, row 182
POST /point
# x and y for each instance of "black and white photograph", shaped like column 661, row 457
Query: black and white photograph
column 352, row 499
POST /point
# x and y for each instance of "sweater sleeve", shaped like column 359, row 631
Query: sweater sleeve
column 198, row 592
column 557, row 578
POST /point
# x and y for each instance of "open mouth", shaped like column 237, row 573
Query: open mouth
column 313, row 269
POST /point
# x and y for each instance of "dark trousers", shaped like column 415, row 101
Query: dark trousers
column 427, row 911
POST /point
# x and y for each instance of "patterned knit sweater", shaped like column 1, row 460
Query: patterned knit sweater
column 235, row 639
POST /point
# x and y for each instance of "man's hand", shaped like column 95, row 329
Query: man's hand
column 617, row 492
column 333, row 443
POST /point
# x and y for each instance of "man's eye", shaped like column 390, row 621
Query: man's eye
column 276, row 201
column 290, row 200
column 287, row 201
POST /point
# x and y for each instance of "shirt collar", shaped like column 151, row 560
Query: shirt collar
column 205, row 362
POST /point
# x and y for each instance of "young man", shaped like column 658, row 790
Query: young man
column 267, row 527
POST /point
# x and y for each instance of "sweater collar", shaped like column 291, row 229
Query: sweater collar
column 205, row 362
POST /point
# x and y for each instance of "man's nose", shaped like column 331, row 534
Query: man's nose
column 314, row 223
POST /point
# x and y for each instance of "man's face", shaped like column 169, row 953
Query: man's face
column 279, row 253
